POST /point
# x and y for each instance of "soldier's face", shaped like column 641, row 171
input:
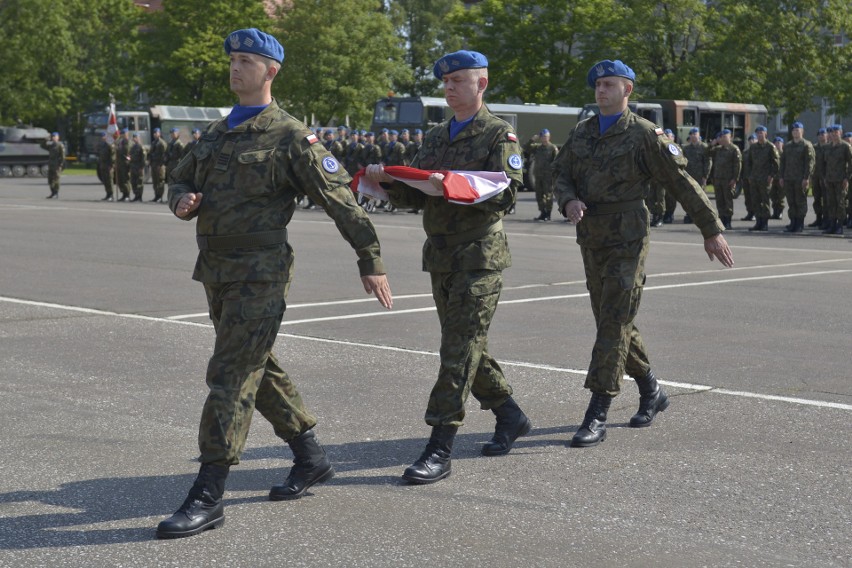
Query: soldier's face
column 725, row 140
column 249, row 72
column 611, row 94
column 797, row 134
column 761, row 136
column 463, row 88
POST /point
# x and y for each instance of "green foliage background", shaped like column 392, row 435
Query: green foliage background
column 62, row 59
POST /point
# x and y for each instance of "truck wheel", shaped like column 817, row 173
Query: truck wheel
column 45, row 169
column 33, row 171
column 18, row 171
column 5, row 171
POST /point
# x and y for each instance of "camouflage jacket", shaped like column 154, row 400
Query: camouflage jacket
column 370, row 154
column 157, row 155
column 249, row 177
column 763, row 161
column 488, row 143
column 542, row 160
column 698, row 161
column 56, row 154
column 353, row 153
column 394, row 154
column 410, row 151
column 727, row 162
column 137, row 156
column 616, row 167
column 336, row 149
column 106, row 155
column 174, row 152
column 797, row 161
column 122, row 153
column 837, row 162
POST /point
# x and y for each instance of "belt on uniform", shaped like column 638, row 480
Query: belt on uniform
column 245, row 240
column 610, row 208
column 445, row 241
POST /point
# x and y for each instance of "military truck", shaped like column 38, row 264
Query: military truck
column 21, row 152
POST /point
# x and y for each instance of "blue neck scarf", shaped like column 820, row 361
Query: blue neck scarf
column 607, row 121
column 240, row 114
column 456, row 127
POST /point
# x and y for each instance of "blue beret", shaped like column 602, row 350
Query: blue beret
column 838, row 127
column 135, row 135
column 779, row 139
column 104, row 134
column 363, row 133
column 848, row 135
column 821, row 131
column 342, row 127
column 607, row 68
column 693, row 131
column 157, row 129
column 418, row 131
column 752, row 137
column 175, row 129
column 668, row 131
column 458, row 60
column 329, row 131
column 760, row 128
column 798, row 125
column 194, row 130
column 370, row 134
column 124, row 131
column 252, row 40
column 394, row 132
column 383, row 130
column 404, row 131
column 727, row 131
column 544, row 132
column 54, row 134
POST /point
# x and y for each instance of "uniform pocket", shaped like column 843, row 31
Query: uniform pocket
column 256, row 171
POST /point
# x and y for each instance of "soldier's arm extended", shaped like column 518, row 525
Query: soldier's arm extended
column 324, row 180
column 405, row 196
column 184, row 199
column 564, row 186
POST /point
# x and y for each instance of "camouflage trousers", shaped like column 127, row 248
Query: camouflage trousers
column 544, row 194
column 158, row 179
column 614, row 277
column 137, row 180
column 105, row 175
column 466, row 302
column 122, row 176
column 818, row 191
column 243, row 374
column 53, row 174
column 724, row 196
column 748, row 196
column 760, row 197
column 835, row 200
column 777, row 195
column 797, row 198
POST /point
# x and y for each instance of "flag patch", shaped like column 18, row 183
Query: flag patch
column 511, row 137
column 311, row 139
column 658, row 131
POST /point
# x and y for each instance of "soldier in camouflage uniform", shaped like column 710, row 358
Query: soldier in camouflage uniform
column 55, row 163
column 698, row 161
column 727, row 163
column 157, row 158
column 465, row 253
column 836, row 169
column 175, row 152
column 748, row 194
column 196, row 136
column 137, row 167
column 414, row 146
column 353, row 152
column 106, row 163
column 797, row 166
column 240, row 182
column 122, row 164
column 603, row 171
column 817, row 188
column 776, row 192
column 542, row 154
column 762, row 164
column 371, row 153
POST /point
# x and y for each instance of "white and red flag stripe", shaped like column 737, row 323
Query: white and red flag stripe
column 463, row 187
column 112, row 122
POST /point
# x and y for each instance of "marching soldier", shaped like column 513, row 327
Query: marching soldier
column 817, row 186
column 122, row 164
column 196, row 136
column 55, row 163
column 543, row 153
column 698, row 161
column 106, row 165
column 797, row 166
column 158, row 158
column 137, row 167
column 762, row 164
column 175, row 152
column 727, row 163
column 837, row 166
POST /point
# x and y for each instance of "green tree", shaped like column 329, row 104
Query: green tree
column 184, row 56
column 341, row 56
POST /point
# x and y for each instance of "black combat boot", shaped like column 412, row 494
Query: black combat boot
column 656, row 221
column 512, row 423
column 687, row 219
column 593, row 429
column 749, row 216
column 829, row 227
column 760, row 224
column 202, row 508
column 310, row 466
column 668, row 218
column 434, row 464
column 826, row 224
column 793, row 227
column 542, row 216
column 800, row 225
column 838, row 227
column 726, row 222
column 818, row 221
column 652, row 399
column 776, row 212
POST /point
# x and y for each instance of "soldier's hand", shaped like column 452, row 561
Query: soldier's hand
column 376, row 173
column 574, row 210
column 187, row 204
column 716, row 246
column 437, row 181
column 378, row 284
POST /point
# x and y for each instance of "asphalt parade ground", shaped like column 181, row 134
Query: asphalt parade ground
column 104, row 341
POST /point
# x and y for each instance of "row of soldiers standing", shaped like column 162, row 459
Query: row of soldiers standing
column 122, row 163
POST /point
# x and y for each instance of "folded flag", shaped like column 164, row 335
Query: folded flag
column 463, row 187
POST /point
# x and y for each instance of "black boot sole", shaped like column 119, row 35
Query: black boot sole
column 214, row 524
column 328, row 474
column 664, row 405
column 580, row 444
column 425, row 480
column 524, row 430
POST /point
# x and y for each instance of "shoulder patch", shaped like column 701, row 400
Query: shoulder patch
column 311, row 139
column 515, row 162
column 511, row 137
column 674, row 149
column 658, row 131
column 330, row 165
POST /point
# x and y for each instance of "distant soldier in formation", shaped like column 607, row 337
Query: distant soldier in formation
column 122, row 164
column 817, row 186
column 776, row 192
column 157, row 159
column 794, row 175
column 196, row 135
column 106, row 165
column 727, row 163
column 137, row 167
column 332, row 145
column 748, row 196
column 762, row 167
column 353, row 152
column 699, row 162
column 175, row 151
column 836, row 168
column 394, row 153
column 55, row 163
column 414, row 146
column 670, row 203
column 342, row 134
column 543, row 153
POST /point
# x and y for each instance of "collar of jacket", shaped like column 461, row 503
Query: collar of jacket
column 617, row 128
column 259, row 123
column 472, row 129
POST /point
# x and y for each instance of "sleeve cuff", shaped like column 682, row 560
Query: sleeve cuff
column 371, row 266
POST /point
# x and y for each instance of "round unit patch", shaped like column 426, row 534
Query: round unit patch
column 515, row 162
column 330, row 165
column 674, row 150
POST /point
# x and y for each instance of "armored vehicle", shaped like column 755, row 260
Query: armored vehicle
column 21, row 152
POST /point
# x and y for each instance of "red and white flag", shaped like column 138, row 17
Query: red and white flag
column 462, row 187
column 112, row 123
